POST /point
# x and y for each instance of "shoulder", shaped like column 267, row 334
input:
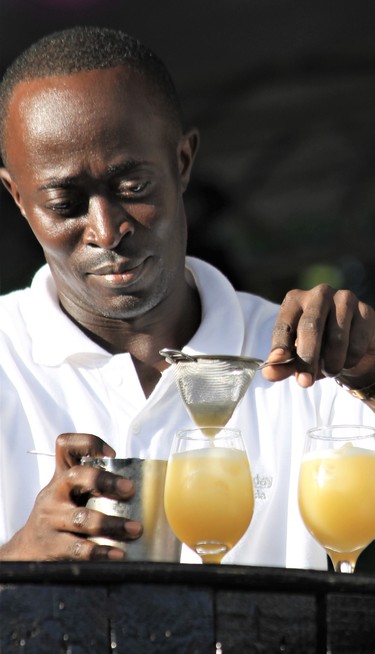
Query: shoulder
column 257, row 306
column 10, row 308
column 236, row 319
column 211, row 281
column 18, row 307
column 14, row 337
column 259, row 317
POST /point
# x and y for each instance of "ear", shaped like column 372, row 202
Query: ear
column 12, row 187
column 187, row 149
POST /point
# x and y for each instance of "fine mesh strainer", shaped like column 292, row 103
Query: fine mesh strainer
column 211, row 386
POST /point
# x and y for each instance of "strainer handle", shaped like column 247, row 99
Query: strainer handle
column 173, row 356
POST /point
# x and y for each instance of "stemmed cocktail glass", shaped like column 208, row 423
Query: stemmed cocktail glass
column 209, row 498
column 337, row 491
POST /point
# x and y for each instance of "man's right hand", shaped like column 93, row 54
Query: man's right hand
column 59, row 526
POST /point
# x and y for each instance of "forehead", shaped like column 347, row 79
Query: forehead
column 117, row 79
column 66, row 106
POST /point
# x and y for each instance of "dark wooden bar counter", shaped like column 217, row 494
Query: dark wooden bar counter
column 142, row 608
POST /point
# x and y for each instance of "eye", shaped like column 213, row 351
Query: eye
column 66, row 205
column 130, row 189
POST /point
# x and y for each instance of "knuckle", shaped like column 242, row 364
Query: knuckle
column 81, row 518
column 291, row 296
column 63, row 440
column 321, row 293
column 346, row 297
column 41, row 511
column 310, row 323
column 325, row 290
column 283, row 335
column 77, row 550
column 367, row 313
column 72, row 475
column 44, row 496
column 282, row 329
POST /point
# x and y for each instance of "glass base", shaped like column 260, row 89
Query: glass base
column 344, row 566
column 344, row 561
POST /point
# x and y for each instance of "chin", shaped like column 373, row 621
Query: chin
column 129, row 309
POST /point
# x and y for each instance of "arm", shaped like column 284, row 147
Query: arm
column 332, row 334
column 59, row 525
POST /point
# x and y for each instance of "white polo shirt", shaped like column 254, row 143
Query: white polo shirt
column 53, row 379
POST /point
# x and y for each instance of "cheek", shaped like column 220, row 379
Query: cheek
column 53, row 236
column 164, row 219
column 147, row 215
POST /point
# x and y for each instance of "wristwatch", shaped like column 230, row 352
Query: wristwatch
column 367, row 394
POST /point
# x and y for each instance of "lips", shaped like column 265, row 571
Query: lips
column 111, row 269
column 119, row 275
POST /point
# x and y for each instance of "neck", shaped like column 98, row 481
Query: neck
column 171, row 325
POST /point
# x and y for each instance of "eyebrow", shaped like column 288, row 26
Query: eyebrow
column 116, row 169
column 125, row 167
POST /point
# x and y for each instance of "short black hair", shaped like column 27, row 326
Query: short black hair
column 86, row 48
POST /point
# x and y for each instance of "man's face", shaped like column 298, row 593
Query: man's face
column 100, row 177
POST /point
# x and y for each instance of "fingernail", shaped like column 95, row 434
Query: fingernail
column 108, row 450
column 277, row 354
column 279, row 350
column 133, row 528
column 125, row 486
column 305, row 379
column 116, row 554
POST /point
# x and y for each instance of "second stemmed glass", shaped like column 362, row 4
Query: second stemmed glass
column 209, row 499
column 337, row 491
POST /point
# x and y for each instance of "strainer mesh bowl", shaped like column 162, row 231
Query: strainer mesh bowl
column 212, row 386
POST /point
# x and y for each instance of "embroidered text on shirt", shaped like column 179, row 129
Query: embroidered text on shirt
column 262, row 483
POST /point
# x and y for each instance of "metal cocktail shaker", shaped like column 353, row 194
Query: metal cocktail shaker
column 157, row 543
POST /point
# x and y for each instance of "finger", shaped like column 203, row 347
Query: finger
column 285, row 327
column 310, row 330
column 76, row 548
column 362, row 335
column 337, row 349
column 298, row 331
column 92, row 523
column 70, row 448
column 300, row 326
column 87, row 480
column 349, row 334
column 277, row 373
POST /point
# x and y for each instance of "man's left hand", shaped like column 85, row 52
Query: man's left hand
column 330, row 332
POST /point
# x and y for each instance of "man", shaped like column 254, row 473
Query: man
column 97, row 160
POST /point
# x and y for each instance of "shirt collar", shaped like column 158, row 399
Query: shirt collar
column 220, row 307
column 55, row 338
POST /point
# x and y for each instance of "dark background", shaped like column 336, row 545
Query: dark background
column 283, row 92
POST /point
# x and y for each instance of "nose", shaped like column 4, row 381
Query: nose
column 107, row 224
